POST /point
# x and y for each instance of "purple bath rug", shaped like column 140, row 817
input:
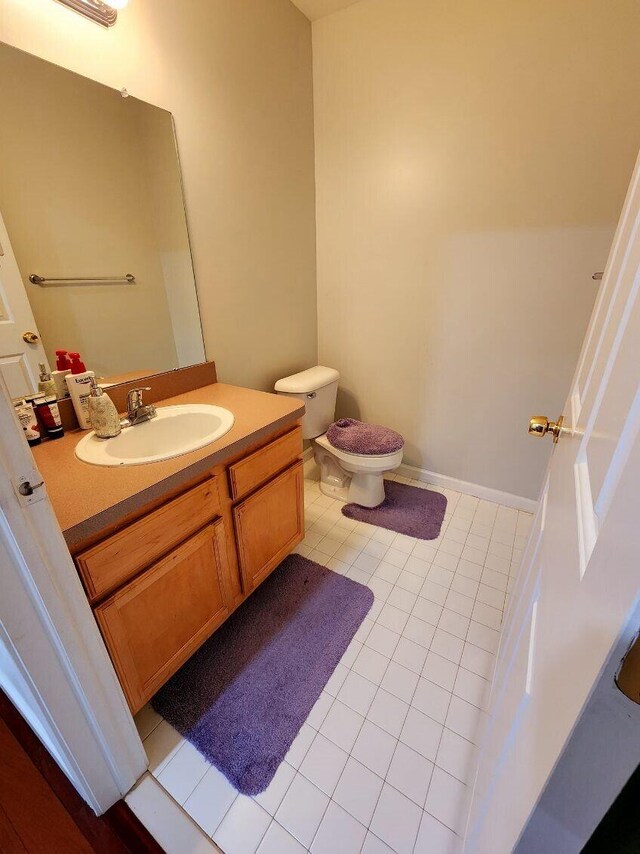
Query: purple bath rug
column 406, row 509
column 243, row 696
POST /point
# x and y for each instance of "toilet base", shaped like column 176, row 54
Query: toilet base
column 335, row 491
column 367, row 490
column 334, row 480
column 364, row 488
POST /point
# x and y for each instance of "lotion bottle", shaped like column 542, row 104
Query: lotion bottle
column 79, row 385
column 27, row 417
column 104, row 416
column 63, row 369
column 49, row 416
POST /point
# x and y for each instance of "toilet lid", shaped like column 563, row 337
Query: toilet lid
column 357, row 437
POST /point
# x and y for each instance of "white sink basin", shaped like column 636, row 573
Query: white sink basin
column 175, row 430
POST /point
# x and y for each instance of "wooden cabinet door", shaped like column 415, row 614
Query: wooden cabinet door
column 252, row 471
column 152, row 625
column 110, row 563
column 269, row 525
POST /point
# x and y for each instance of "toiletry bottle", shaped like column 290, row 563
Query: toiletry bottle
column 49, row 416
column 63, row 369
column 27, row 417
column 46, row 384
column 79, row 385
column 104, row 416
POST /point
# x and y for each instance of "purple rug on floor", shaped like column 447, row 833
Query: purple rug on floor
column 243, row 696
column 406, row 509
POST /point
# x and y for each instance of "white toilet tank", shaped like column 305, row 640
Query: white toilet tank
column 318, row 388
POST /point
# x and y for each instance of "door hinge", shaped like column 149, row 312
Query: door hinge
column 29, row 487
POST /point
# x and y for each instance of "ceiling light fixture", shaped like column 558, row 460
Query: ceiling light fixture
column 105, row 14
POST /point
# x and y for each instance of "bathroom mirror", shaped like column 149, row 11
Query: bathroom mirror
column 92, row 204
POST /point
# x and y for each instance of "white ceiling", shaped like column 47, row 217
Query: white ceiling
column 315, row 9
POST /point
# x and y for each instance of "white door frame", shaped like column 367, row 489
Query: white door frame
column 53, row 664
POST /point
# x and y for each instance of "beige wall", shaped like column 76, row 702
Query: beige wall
column 471, row 162
column 236, row 74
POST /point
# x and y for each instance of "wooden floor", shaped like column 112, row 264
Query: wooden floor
column 40, row 811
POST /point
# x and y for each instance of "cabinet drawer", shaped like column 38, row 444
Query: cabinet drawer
column 152, row 625
column 269, row 524
column 263, row 464
column 110, row 563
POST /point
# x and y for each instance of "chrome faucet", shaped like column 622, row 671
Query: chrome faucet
column 136, row 410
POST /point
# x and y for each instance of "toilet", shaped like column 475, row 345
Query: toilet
column 345, row 475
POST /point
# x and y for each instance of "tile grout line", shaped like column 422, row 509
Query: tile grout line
column 397, row 739
column 449, row 703
column 335, row 699
column 350, row 754
column 410, row 703
column 409, row 614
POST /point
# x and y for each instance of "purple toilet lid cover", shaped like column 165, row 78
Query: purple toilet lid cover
column 356, row 437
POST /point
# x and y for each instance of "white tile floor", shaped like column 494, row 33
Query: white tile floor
column 385, row 757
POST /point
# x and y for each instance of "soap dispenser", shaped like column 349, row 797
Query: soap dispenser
column 46, row 383
column 103, row 414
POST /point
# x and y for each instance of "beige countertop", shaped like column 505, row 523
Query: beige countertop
column 88, row 499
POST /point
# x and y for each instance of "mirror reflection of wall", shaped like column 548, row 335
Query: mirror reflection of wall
column 90, row 186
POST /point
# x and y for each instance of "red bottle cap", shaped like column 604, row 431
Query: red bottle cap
column 77, row 366
column 62, row 360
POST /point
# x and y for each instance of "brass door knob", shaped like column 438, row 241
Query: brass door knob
column 30, row 337
column 540, row 425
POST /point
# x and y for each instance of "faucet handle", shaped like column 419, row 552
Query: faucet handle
column 134, row 398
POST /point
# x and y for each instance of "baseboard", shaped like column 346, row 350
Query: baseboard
column 496, row 495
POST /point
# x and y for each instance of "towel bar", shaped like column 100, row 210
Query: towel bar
column 35, row 279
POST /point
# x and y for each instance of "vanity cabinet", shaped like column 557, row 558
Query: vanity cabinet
column 161, row 585
column 107, row 565
column 152, row 625
column 269, row 525
column 255, row 469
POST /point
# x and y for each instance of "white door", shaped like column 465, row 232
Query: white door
column 580, row 574
column 19, row 358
